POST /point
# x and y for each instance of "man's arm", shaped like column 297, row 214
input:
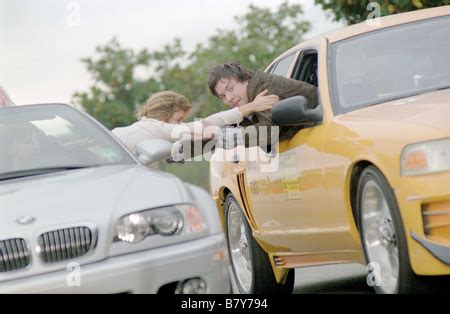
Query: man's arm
column 282, row 87
column 265, row 132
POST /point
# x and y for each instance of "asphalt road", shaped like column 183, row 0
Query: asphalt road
column 332, row 279
column 349, row 279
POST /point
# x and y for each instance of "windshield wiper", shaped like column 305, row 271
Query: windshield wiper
column 37, row 171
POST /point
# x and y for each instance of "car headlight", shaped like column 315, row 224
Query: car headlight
column 167, row 224
column 165, row 221
column 133, row 228
column 426, row 158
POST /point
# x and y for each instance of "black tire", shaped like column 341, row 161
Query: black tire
column 263, row 278
column 408, row 281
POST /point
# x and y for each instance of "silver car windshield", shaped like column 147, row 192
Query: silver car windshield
column 43, row 138
column 392, row 63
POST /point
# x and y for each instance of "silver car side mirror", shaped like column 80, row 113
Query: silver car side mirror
column 153, row 150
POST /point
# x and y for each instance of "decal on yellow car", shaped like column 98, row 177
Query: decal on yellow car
column 288, row 167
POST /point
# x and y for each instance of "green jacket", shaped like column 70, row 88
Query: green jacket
column 283, row 88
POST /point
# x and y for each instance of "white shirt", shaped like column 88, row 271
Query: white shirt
column 147, row 128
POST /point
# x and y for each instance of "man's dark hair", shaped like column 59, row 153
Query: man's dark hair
column 231, row 69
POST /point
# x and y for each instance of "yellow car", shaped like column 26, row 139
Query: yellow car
column 367, row 178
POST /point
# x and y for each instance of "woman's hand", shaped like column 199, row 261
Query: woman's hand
column 262, row 102
column 210, row 131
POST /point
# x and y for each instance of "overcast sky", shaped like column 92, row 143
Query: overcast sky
column 41, row 42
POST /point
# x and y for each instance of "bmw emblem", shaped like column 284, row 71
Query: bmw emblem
column 26, row 220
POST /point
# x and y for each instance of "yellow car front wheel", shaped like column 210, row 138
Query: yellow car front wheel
column 251, row 269
column 383, row 236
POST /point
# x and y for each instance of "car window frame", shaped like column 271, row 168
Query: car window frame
column 300, row 55
column 274, row 66
column 300, row 62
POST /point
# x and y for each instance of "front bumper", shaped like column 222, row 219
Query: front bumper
column 429, row 255
column 141, row 272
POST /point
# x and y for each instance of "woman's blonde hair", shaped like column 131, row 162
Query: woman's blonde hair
column 163, row 105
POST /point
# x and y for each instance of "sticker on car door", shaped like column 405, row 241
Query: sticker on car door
column 290, row 176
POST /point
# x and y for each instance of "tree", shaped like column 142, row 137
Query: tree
column 123, row 78
column 115, row 90
column 355, row 11
column 260, row 36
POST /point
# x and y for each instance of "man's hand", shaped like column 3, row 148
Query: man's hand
column 262, row 102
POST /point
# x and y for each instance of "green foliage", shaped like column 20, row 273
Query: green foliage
column 260, row 36
column 355, row 11
column 123, row 78
column 195, row 172
column 115, row 90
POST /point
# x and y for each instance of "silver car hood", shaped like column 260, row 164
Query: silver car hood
column 93, row 197
column 93, row 194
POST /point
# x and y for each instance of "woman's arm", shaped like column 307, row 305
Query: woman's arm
column 204, row 128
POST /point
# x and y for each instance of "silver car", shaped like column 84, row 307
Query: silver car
column 80, row 214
